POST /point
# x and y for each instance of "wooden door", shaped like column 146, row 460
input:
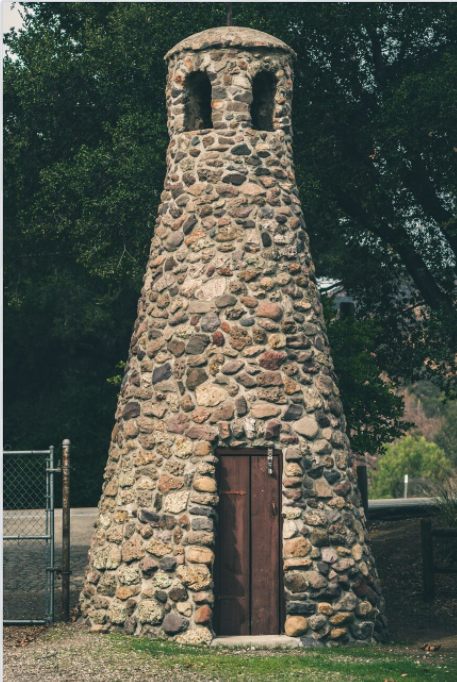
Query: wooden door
column 248, row 547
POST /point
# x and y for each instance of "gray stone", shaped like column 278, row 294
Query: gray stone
column 174, row 623
column 131, row 410
column 241, row 150
column 195, row 377
column 225, row 301
column 292, row 413
column 197, row 344
column 210, row 322
column 161, row 373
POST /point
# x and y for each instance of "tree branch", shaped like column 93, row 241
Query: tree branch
column 418, row 182
column 401, row 243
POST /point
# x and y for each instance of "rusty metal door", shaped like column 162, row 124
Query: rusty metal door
column 248, row 547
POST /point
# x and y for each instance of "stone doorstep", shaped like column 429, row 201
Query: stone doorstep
column 258, row 642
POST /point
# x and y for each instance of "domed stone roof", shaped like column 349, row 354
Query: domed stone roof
column 229, row 36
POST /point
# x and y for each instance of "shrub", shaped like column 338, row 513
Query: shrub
column 412, row 455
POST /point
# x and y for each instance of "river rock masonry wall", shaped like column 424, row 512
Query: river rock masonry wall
column 229, row 349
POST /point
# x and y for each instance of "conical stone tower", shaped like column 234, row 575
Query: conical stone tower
column 229, row 357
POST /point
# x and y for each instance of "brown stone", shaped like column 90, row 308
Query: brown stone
column 271, row 310
column 124, row 592
column 223, row 412
column 307, row 426
column 297, row 547
column 176, row 347
column 132, row 549
column 272, row 359
column 148, row 565
column 205, row 484
column 203, row 614
column 200, row 415
column 272, row 429
column 195, row 377
column 264, row 410
column 167, row 483
column 209, row 394
column 195, row 577
column 322, row 488
column 232, row 366
column 201, row 432
column 341, row 617
column 199, row 555
column 295, row 626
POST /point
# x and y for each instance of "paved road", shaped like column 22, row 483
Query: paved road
column 25, row 561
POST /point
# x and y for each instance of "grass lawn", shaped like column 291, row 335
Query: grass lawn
column 364, row 664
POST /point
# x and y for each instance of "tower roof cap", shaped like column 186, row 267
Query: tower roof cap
column 229, row 36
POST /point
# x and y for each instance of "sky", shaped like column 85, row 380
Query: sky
column 10, row 15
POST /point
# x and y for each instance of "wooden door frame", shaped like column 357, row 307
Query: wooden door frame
column 254, row 452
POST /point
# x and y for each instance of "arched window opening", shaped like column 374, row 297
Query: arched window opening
column 263, row 100
column 197, row 108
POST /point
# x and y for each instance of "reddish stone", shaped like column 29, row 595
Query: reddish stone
column 218, row 338
column 203, row 614
column 271, row 310
column 177, row 423
column 272, row 359
column 269, row 379
column 201, row 432
column 224, row 430
column 249, row 301
column 200, row 415
column 168, row 482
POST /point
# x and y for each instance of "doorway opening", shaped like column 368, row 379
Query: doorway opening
column 248, row 567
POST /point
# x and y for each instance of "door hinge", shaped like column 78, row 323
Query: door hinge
column 270, row 461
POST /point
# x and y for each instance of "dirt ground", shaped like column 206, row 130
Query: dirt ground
column 30, row 653
column 397, row 548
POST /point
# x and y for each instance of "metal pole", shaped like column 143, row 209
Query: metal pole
column 405, row 486
column 229, row 13
column 51, row 533
column 66, row 529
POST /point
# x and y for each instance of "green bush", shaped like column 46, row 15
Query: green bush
column 412, row 455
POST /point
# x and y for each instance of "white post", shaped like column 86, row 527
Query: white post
column 405, row 486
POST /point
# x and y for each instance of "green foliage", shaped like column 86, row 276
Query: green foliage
column 446, row 496
column 446, row 437
column 412, row 455
column 85, row 139
column 373, row 410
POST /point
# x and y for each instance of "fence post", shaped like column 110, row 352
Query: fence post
column 427, row 559
column 362, row 482
column 66, row 529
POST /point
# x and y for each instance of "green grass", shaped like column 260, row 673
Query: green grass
column 362, row 664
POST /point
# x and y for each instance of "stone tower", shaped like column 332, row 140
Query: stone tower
column 229, row 353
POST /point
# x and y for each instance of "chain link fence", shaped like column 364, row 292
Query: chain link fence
column 28, row 540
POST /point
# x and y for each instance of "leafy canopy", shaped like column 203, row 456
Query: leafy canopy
column 85, row 140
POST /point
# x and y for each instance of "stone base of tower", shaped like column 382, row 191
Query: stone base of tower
column 152, row 568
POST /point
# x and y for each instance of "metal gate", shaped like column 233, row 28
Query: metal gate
column 29, row 568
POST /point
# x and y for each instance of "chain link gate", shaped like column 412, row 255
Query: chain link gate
column 29, row 555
